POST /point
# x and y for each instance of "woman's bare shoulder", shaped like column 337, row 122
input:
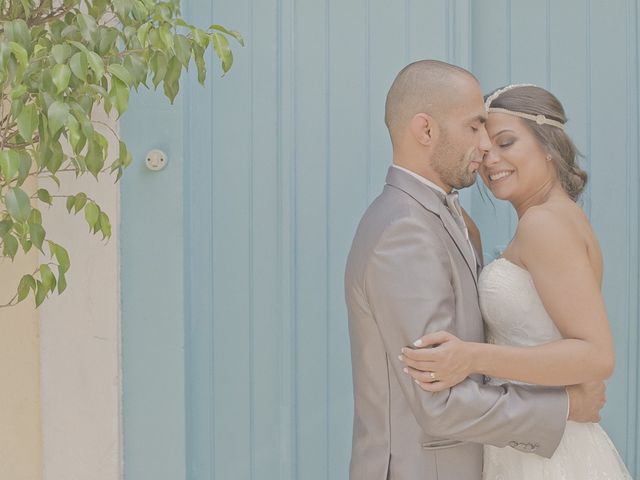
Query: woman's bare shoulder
column 549, row 232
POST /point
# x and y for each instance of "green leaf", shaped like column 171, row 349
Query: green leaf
column 201, row 38
column 36, row 234
column 124, row 156
column 25, row 166
column 56, row 157
column 61, row 52
column 120, row 72
column 155, row 40
column 62, row 256
column 71, row 199
column 143, row 31
column 44, row 196
column 16, row 107
column 105, row 225
column 18, row 91
column 58, row 113
column 9, row 246
column 119, row 95
column 87, row 26
column 108, row 38
column 18, row 31
column 137, row 68
column 41, row 293
column 9, row 164
column 221, row 47
column 20, row 53
column 96, row 64
column 183, row 49
column 26, row 244
column 27, row 282
column 17, row 203
column 62, row 281
column 26, row 8
column 198, row 54
column 79, row 46
column 28, row 121
column 61, row 75
column 91, row 214
column 159, row 64
column 79, row 65
column 80, row 201
column 94, row 159
column 73, row 133
column 48, row 280
column 232, row 33
column 172, row 79
column 166, row 37
column 35, row 216
column 5, row 226
column 85, row 123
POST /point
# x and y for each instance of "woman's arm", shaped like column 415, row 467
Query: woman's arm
column 562, row 274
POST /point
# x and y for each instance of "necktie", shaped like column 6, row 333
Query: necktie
column 453, row 204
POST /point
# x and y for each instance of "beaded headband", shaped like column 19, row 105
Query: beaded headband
column 539, row 119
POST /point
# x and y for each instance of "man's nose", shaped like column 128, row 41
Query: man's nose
column 485, row 142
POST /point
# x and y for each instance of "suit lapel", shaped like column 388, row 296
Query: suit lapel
column 430, row 200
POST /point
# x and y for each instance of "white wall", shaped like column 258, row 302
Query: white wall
column 80, row 338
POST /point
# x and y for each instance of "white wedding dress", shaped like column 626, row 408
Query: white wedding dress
column 514, row 315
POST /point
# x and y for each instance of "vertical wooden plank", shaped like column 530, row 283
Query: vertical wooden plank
column 265, row 402
column 609, row 99
column 528, row 41
column 633, row 416
column 152, row 293
column 632, row 337
column 428, row 29
column 388, row 53
column 570, row 81
column 311, row 151
column 346, row 202
column 200, row 444
column 459, row 53
column 232, row 256
column 491, row 61
column 286, row 242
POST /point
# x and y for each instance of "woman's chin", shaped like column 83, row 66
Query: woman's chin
column 499, row 193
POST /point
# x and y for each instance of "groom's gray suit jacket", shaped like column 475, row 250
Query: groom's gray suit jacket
column 410, row 272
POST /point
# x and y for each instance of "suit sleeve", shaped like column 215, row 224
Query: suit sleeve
column 408, row 286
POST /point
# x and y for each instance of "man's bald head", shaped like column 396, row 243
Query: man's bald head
column 426, row 86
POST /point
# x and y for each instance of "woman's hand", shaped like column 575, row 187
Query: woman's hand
column 446, row 364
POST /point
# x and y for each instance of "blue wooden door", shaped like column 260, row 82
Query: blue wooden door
column 235, row 343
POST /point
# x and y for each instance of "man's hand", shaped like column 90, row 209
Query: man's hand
column 585, row 401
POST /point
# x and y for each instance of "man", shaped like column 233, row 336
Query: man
column 412, row 270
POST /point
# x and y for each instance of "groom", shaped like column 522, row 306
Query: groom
column 413, row 270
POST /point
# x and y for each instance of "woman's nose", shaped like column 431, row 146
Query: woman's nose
column 489, row 158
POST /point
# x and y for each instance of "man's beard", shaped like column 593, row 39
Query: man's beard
column 453, row 172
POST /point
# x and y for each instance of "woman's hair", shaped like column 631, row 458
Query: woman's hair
column 557, row 144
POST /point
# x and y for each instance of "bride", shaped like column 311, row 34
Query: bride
column 545, row 317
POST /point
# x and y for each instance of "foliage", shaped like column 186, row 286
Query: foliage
column 58, row 60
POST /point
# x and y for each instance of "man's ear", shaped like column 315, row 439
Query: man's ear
column 424, row 128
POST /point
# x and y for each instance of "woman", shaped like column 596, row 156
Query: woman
column 545, row 317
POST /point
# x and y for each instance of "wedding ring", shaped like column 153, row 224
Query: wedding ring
column 432, row 375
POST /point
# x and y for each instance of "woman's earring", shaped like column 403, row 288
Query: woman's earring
column 548, row 158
